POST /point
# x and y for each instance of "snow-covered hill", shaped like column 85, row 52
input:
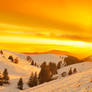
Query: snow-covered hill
column 22, row 66
column 80, row 67
column 79, row 82
column 39, row 58
column 22, row 69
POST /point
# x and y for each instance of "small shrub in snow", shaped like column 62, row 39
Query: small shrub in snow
column 16, row 60
column 10, row 58
column 64, row 74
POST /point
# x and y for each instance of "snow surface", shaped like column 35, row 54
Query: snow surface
column 79, row 82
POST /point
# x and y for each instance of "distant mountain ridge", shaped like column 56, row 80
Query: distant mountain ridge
column 59, row 52
column 89, row 58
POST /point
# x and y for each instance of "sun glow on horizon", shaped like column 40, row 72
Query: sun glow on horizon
column 35, row 40
column 38, row 26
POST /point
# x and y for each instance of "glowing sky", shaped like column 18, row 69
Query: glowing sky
column 42, row 25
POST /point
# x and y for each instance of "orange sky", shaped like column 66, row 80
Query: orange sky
column 42, row 25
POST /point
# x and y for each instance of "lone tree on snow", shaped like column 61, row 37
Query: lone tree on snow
column 70, row 71
column 74, row 71
column 32, row 63
column 1, row 79
column 20, row 84
column 5, row 77
column 1, row 52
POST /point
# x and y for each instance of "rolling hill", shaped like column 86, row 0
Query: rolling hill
column 78, row 82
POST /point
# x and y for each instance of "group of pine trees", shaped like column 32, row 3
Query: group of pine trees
column 72, row 71
column 33, row 81
column 29, row 59
column 33, row 63
column 14, row 60
column 4, row 78
column 45, row 75
column 47, row 71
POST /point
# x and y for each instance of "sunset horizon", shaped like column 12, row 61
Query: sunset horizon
column 40, row 26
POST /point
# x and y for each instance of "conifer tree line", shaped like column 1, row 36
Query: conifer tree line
column 32, row 62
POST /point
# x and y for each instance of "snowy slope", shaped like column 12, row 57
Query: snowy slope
column 80, row 67
column 39, row 58
column 22, row 69
column 48, row 58
column 79, row 82
column 23, row 65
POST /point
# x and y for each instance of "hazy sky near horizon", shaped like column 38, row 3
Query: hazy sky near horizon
column 42, row 25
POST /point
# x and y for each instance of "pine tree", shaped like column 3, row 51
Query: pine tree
column 28, row 58
column 74, row 71
column 35, row 79
column 45, row 74
column 53, row 68
column 20, row 84
column 32, row 63
column 35, row 64
column 1, row 52
column 70, row 71
column 5, row 77
column 1, row 79
column 43, row 64
column 59, row 65
column 30, row 82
